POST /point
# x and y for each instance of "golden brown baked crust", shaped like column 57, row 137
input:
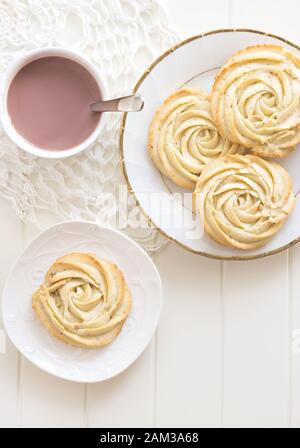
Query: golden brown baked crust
column 183, row 137
column 256, row 100
column 84, row 300
column 243, row 200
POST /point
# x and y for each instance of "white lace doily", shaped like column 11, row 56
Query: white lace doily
column 121, row 37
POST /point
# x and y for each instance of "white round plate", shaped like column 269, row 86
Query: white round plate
column 193, row 62
column 55, row 357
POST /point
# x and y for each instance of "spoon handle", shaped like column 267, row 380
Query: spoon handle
column 130, row 103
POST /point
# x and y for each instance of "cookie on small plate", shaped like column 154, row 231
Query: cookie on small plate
column 84, row 300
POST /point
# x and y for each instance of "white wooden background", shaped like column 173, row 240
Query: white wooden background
column 222, row 353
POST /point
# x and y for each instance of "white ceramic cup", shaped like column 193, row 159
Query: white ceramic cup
column 11, row 72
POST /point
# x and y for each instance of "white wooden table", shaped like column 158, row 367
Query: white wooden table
column 222, row 355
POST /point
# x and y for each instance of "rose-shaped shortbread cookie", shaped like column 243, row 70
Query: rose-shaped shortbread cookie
column 255, row 100
column 84, row 300
column 183, row 137
column 243, row 200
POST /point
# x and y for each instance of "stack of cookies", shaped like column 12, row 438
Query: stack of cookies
column 221, row 145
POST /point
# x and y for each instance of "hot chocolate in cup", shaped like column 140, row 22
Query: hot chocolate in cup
column 46, row 97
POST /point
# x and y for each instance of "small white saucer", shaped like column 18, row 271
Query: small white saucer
column 55, row 357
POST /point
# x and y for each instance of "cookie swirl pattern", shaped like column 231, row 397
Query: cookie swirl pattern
column 256, row 100
column 243, row 200
column 183, row 137
column 84, row 300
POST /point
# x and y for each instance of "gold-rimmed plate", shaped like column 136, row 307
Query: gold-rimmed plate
column 192, row 62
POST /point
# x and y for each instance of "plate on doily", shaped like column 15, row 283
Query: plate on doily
column 55, row 357
column 193, row 62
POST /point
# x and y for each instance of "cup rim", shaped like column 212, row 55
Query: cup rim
column 16, row 65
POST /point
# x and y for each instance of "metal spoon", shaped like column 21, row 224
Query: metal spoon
column 130, row 103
